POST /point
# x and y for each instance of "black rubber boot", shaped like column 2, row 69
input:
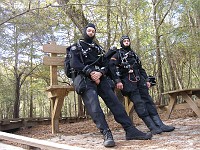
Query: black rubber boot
column 151, row 125
column 161, row 125
column 133, row 133
column 108, row 138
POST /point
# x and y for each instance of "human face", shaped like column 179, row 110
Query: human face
column 90, row 31
column 126, row 42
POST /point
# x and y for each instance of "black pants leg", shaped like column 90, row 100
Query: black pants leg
column 112, row 102
column 139, row 104
column 91, row 101
column 144, row 92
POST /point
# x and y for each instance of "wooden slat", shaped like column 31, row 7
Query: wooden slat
column 56, row 49
column 53, row 61
column 43, row 144
column 189, row 91
column 54, row 87
column 53, row 75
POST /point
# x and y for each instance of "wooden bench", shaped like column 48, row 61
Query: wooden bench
column 36, row 143
column 190, row 96
column 57, row 92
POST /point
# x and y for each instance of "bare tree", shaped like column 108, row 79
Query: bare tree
column 157, row 25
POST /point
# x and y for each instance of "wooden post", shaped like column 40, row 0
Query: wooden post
column 53, row 69
column 129, row 107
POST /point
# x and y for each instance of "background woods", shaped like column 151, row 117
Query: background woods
column 164, row 33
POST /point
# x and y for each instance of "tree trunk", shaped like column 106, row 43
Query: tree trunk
column 31, row 82
column 171, row 77
column 17, row 97
column 137, row 29
column 157, row 24
column 108, row 25
column 17, row 77
column 158, row 59
column 75, row 14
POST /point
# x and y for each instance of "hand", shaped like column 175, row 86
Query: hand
column 97, row 81
column 95, row 76
column 148, row 84
column 119, row 85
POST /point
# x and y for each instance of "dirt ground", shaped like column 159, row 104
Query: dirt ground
column 84, row 134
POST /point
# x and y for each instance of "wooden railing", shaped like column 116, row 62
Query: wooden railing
column 17, row 123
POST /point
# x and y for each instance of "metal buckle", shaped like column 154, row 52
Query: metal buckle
column 137, row 78
column 97, row 67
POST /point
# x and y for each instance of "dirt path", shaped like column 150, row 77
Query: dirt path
column 186, row 136
column 84, row 134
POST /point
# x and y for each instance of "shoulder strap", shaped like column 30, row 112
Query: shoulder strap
column 81, row 56
column 120, row 55
column 80, row 50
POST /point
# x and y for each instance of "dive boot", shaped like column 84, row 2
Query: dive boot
column 161, row 125
column 108, row 138
column 151, row 125
column 133, row 133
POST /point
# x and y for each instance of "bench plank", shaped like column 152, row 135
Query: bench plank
column 54, row 61
column 44, row 144
column 55, row 87
column 54, row 49
column 189, row 91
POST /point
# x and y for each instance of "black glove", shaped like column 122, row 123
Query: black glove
column 152, row 80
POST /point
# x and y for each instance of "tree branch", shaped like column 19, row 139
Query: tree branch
column 28, row 74
column 160, row 23
column 13, row 17
column 50, row 5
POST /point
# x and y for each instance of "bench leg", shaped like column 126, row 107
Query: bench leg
column 171, row 105
column 56, row 109
column 53, row 130
column 129, row 108
column 192, row 104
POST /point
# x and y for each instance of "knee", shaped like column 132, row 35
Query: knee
column 141, row 110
